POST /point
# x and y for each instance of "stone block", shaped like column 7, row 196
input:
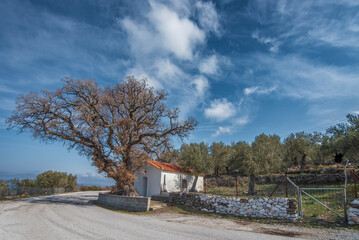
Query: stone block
column 133, row 204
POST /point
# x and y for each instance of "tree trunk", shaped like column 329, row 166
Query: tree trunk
column 126, row 189
column 252, row 183
column 193, row 188
column 303, row 162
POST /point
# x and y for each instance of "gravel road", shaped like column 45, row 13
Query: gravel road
column 73, row 216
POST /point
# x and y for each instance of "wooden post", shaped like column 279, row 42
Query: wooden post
column 236, row 185
column 355, row 183
column 286, row 184
column 204, row 185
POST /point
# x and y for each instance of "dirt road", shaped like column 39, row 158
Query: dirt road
column 73, row 216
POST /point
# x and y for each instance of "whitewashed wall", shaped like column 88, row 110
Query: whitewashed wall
column 155, row 181
column 173, row 181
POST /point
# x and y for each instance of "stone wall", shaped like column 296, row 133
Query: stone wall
column 353, row 212
column 279, row 208
column 133, row 204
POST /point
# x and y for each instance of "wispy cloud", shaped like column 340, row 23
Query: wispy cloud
column 7, row 104
column 258, row 90
column 2, row 123
column 302, row 78
column 208, row 17
column 6, row 89
column 272, row 42
column 336, row 25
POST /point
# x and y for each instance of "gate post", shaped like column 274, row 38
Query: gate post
column 286, row 184
column 300, row 213
column 345, row 205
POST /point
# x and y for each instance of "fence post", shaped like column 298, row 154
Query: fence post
column 345, row 205
column 236, row 185
column 286, row 184
column 300, row 210
column 205, row 184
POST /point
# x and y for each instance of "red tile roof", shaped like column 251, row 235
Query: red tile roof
column 171, row 167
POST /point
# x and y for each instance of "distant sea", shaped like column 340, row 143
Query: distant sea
column 81, row 180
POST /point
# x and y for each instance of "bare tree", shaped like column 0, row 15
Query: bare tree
column 119, row 128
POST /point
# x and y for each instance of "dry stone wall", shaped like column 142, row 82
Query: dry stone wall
column 279, row 208
column 353, row 212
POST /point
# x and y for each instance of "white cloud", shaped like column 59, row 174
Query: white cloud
column 208, row 17
column 222, row 130
column 164, row 32
column 165, row 44
column 201, row 85
column 209, row 65
column 165, row 68
column 142, row 40
column 259, row 91
column 249, row 91
column 177, row 35
column 242, row 120
column 220, row 110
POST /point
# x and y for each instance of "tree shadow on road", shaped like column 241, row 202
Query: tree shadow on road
column 79, row 200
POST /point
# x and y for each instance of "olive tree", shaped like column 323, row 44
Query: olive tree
column 342, row 140
column 195, row 156
column 263, row 156
column 118, row 127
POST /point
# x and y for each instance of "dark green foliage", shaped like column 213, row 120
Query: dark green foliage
column 53, row 179
column 28, row 183
column 3, row 188
column 303, row 148
column 220, row 154
column 195, row 156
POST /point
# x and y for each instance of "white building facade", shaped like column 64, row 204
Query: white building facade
column 158, row 178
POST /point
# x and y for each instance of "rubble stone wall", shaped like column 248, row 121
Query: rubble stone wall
column 353, row 212
column 279, row 208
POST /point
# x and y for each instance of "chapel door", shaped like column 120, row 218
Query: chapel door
column 145, row 186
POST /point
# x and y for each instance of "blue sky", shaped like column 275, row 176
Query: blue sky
column 240, row 68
